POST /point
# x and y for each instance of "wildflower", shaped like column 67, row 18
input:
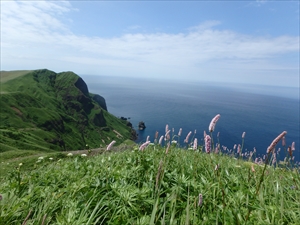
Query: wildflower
column 275, row 141
column 239, row 149
column 179, row 132
column 167, row 128
column 156, row 134
column 217, row 167
column 70, row 154
column 217, row 148
column 204, row 134
column 83, row 155
column 160, row 139
column 20, row 164
column 148, row 137
column 174, row 142
column 167, row 135
column 234, row 147
column 143, row 146
column 213, row 122
column 41, row 158
column 195, row 131
column 195, row 144
column 110, row 145
column 200, row 200
column 283, row 141
column 243, row 135
column 187, row 137
column 207, row 144
column 293, row 146
column 50, row 158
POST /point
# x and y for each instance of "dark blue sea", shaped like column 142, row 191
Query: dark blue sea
column 263, row 112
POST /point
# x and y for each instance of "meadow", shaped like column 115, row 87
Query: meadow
column 156, row 182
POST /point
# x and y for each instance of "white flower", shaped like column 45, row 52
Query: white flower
column 40, row 158
column 20, row 164
column 83, row 155
column 50, row 158
column 70, row 154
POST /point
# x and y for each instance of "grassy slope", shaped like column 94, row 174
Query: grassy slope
column 41, row 109
column 10, row 75
column 131, row 187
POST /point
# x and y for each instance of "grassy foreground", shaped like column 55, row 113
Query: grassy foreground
column 150, row 186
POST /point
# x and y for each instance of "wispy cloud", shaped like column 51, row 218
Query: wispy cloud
column 37, row 33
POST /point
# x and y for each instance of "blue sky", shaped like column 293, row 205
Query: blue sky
column 253, row 42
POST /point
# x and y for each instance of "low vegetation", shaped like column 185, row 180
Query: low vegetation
column 150, row 184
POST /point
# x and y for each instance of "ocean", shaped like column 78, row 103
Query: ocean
column 263, row 112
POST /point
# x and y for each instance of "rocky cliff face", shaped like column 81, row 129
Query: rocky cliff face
column 100, row 100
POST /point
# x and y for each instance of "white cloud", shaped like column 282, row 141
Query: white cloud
column 34, row 34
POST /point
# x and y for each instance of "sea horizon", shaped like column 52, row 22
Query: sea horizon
column 261, row 111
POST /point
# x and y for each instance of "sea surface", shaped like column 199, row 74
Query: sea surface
column 263, row 112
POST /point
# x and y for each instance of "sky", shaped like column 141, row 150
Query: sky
column 255, row 42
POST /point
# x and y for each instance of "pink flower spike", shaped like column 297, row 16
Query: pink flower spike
column 239, row 149
column 293, row 146
column 195, row 144
column 217, row 167
column 213, row 122
column 207, row 144
column 167, row 136
column 179, row 132
column 187, row 137
column 167, row 128
column 283, row 141
column 160, row 139
column 156, row 134
column 110, row 145
column 143, row 146
column 275, row 141
column 200, row 200
column 243, row 135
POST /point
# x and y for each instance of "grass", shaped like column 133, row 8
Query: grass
column 149, row 187
column 43, row 110
column 10, row 75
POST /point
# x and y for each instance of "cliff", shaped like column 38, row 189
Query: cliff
column 42, row 109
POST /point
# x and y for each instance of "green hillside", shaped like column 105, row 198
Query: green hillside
column 43, row 110
column 158, row 185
